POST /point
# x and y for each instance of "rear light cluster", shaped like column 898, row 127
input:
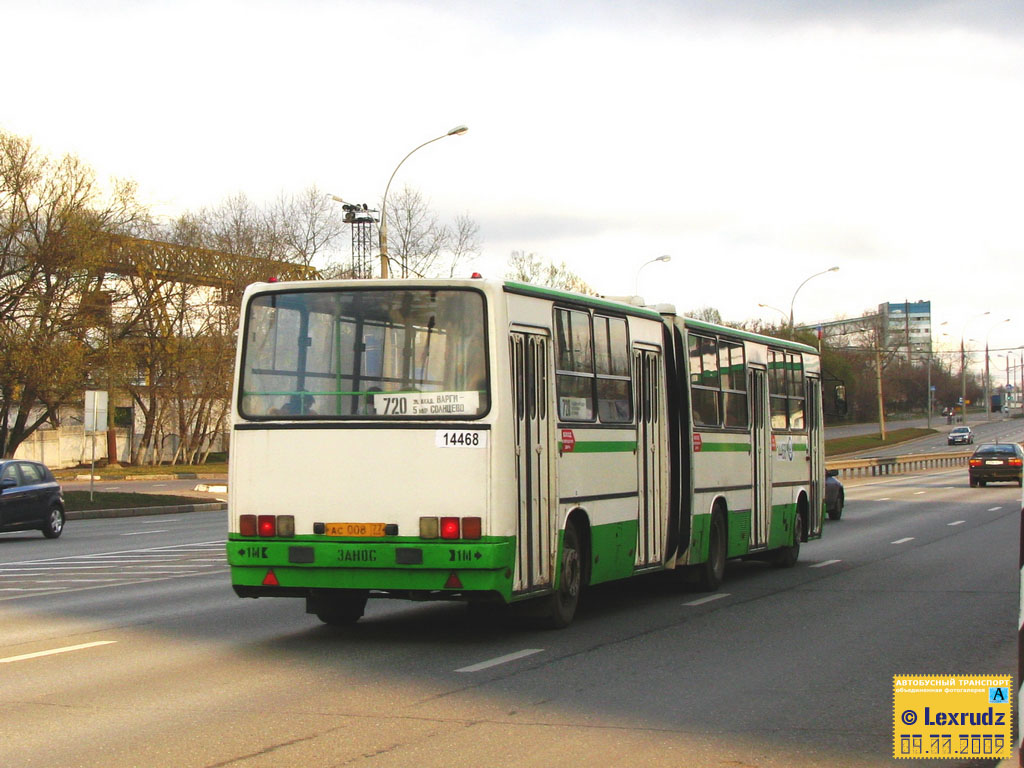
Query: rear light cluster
column 450, row 527
column 1016, row 462
column 975, row 462
column 266, row 526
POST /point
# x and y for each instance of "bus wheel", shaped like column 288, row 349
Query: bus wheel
column 787, row 556
column 562, row 604
column 338, row 610
column 712, row 572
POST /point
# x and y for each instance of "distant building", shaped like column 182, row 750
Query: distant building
column 907, row 328
column 907, row 325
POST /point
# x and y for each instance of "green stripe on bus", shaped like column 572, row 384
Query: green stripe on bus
column 604, row 446
column 706, row 447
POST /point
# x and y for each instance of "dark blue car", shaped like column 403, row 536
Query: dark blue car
column 30, row 498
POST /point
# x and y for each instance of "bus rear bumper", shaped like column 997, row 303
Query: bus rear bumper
column 407, row 569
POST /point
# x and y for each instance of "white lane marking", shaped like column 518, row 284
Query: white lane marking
column 885, row 499
column 958, row 522
column 995, row 509
column 144, row 533
column 166, row 550
column 824, row 563
column 66, row 649
column 903, row 541
column 918, row 493
column 709, row 598
column 501, row 660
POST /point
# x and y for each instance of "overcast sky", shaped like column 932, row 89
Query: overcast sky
column 756, row 143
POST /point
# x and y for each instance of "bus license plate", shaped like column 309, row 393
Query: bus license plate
column 354, row 529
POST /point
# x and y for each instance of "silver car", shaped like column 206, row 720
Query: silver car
column 960, row 436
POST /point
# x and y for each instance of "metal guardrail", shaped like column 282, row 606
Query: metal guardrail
column 894, row 465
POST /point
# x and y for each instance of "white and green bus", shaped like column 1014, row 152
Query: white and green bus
column 492, row 441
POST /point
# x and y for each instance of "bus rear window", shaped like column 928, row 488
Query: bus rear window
column 364, row 353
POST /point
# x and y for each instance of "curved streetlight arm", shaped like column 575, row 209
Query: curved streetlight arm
column 636, row 282
column 383, row 230
column 791, row 303
column 769, row 306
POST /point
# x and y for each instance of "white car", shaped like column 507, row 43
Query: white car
column 960, row 436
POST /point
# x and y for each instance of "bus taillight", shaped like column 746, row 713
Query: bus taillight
column 247, row 525
column 267, row 525
column 449, row 527
column 471, row 527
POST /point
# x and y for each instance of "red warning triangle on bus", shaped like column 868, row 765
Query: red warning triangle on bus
column 270, row 580
column 453, row 582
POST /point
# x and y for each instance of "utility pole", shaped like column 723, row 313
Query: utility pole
column 878, row 382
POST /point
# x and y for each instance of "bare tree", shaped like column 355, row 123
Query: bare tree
column 420, row 245
column 531, row 268
column 707, row 314
column 54, row 315
column 308, row 226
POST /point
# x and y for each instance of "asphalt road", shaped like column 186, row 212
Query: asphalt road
column 1000, row 429
column 150, row 660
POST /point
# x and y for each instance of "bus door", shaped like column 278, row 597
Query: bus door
column 649, row 386
column 814, row 454
column 761, row 436
column 529, row 351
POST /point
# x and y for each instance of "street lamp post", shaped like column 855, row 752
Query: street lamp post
column 988, row 397
column 929, row 384
column 636, row 282
column 456, row 131
column 791, row 303
column 963, row 366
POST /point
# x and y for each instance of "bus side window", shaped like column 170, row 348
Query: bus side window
column 614, row 385
column 574, row 378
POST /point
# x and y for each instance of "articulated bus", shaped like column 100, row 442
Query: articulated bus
column 492, row 441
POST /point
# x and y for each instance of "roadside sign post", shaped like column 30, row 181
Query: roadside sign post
column 95, row 421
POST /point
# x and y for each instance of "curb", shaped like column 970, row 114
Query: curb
column 168, row 476
column 91, row 514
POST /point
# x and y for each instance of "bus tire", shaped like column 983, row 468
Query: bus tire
column 562, row 603
column 711, row 572
column 787, row 556
column 341, row 610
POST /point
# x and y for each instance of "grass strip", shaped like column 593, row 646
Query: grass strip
column 78, row 501
column 841, row 445
column 220, row 468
